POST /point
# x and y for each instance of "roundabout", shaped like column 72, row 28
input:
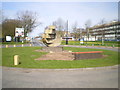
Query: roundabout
column 96, row 73
column 28, row 55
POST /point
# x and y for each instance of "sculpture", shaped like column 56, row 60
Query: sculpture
column 50, row 37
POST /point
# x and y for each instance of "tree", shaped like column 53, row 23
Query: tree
column 102, row 22
column 60, row 25
column 8, row 27
column 87, row 26
column 28, row 20
column 76, row 31
column 0, row 30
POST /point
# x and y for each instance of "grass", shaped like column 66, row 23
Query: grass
column 28, row 54
column 95, row 43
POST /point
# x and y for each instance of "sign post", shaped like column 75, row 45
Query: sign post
column 19, row 32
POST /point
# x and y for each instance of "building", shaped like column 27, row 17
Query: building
column 78, row 33
column 108, row 32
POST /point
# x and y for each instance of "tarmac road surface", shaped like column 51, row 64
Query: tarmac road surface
column 36, row 42
column 29, row 78
column 94, row 47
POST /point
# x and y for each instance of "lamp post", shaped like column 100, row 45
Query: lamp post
column 67, row 33
column 86, row 32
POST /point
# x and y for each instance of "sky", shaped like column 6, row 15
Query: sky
column 79, row 12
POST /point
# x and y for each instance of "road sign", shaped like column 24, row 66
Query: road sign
column 19, row 32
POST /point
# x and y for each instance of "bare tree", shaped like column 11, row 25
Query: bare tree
column 28, row 20
column 1, row 23
column 87, row 26
column 60, row 25
column 102, row 22
column 8, row 27
column 75, row 31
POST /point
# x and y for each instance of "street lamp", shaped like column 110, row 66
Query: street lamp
column 67, row 34
column 86, row 32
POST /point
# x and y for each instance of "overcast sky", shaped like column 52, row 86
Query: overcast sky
column 78, row 12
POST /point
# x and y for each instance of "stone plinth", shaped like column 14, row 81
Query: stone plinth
column 52, row 49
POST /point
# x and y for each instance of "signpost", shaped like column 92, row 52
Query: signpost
column 8, row 38
column 81, row 41
column 19, row 32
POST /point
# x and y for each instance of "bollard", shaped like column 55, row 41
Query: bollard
column 16, row 60
column 69, row 51
column 6, row 46
column 51, row 51
column 14, row 45
column 22, row 45
column 30, row 45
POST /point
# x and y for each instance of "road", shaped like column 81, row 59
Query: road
column 29, row 78
column 36, row 42
column 32, row 78
column 94, row 47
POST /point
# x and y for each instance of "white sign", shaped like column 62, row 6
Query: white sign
column 19, row 32
column 81, row 41
column 8, row 38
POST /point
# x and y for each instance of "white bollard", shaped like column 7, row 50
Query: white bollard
column 16, row 60
column 6, row 46
column 22, row 45
column 51, row 51
column 70, row 51
column 30, row 45
column 14, row 46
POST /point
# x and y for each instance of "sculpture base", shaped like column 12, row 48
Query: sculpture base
column 87, row 55
column 58, row 53
column 52, row 49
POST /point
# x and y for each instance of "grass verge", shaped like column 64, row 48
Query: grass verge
column 95, row 43
column 28, row 54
